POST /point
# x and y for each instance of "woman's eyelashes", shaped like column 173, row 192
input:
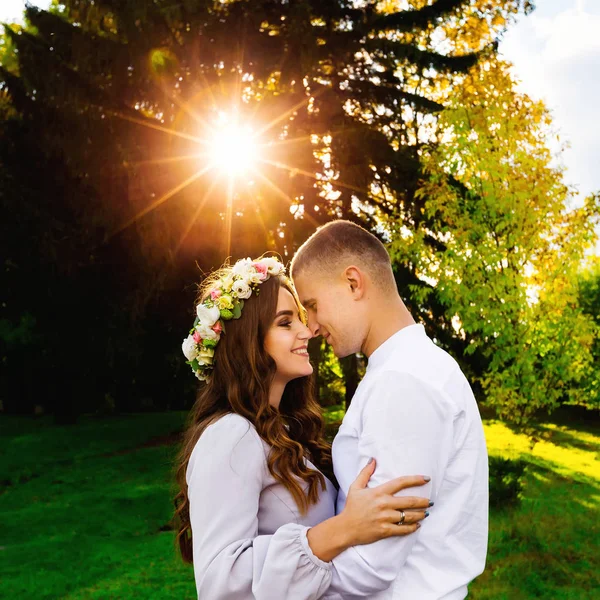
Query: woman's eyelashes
column 288, row 322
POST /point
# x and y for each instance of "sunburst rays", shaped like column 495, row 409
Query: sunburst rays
column 228, row 151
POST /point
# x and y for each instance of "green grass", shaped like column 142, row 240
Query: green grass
column 81, row 510
column 549, row 546
column 77, row 524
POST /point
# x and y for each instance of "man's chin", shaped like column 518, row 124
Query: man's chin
column 341, row 353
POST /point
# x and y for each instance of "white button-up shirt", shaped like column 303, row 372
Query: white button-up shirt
column 415, row 413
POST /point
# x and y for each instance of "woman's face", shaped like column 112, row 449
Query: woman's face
column 287, row 340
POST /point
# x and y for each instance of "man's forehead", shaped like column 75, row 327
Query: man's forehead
column 310, row 287
column 304, row 289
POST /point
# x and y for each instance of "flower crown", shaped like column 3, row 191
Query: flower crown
column 224, row 302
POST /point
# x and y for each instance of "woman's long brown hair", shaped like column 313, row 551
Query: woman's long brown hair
column 240, row 384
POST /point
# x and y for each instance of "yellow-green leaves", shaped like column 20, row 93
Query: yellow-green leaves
column 504, row 239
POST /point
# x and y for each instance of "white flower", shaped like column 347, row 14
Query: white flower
column 243, row 268
column 274, row 267
column 254, row 277
column 241, row 289
column 189, row 348
column 205, row 356
column 208, row 316
column 206, row 333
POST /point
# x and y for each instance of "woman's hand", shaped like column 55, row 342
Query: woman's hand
column 372, row 514
column 369, row 515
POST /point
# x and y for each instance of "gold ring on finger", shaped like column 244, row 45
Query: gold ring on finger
column 402, row 518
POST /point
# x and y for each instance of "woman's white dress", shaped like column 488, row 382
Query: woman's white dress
column 249, row 538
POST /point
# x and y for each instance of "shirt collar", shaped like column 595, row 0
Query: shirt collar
column 399, row 339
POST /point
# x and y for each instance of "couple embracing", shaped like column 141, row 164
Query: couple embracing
column 259, row 514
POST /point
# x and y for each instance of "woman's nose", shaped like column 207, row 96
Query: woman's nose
column 305, row 333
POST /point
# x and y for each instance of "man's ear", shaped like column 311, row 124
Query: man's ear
column 355, row 279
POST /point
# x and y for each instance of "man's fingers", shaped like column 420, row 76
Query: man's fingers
column 401, row 483
column 408, row 502
column 363, row 477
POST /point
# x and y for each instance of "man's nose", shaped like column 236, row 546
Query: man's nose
column 313, row 325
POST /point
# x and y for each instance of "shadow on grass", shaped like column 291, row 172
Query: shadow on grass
column 31, row 446
column 548, row 546
column 560, row 435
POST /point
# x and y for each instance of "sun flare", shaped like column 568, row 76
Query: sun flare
column 233, row 147
column 228, row 146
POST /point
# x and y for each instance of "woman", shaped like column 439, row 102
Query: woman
column 256, row 512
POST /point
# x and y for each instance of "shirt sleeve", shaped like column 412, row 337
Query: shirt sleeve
column 231, row 561
column 407, row 428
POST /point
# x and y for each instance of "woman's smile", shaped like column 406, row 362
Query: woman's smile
column 302, row 351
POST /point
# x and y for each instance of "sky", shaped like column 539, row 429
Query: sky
column 556, row 56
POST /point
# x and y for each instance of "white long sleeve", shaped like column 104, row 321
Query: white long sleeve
column 414, row 412
column 226, row 476
column 407, row 437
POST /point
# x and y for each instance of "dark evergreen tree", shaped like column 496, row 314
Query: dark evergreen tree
column 116, row 92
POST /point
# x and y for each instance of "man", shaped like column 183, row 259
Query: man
column 414, row 412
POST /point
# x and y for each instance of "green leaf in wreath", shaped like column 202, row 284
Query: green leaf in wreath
column 237, row 311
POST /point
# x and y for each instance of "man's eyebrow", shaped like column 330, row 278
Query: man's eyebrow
column 289, row 313
column 309, row 302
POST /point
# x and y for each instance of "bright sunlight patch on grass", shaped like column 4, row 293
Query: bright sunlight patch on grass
column 564, row 450
column 549, row 546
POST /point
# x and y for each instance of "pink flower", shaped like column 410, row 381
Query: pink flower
column 262, row 270
column 215, row 294
column 197, row 337
column 217, row 327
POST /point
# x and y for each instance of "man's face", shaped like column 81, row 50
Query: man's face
column 332, row 311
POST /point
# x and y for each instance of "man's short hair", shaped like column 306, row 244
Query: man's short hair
column 338, row 244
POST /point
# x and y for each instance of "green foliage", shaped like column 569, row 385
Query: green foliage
column 237, row 310
column 8, row 57
column 19, row 334
column 589, row 288
column 507, row 477
column 500, row 246
column 331, row 377
column 589, row 300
